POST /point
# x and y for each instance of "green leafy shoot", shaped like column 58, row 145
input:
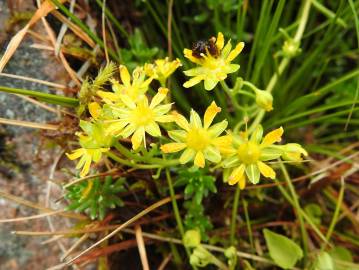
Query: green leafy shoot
column 95, row 196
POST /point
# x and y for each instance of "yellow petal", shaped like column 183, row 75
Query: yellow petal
column 108, row 96
column 149, row 69
column 153, row 129
column 224, row 144
column 199, row 159
column 86, row 168
column 242, row 182
column 94, row 109
column 272, row 137
column 172, row 147
column 188, row 54
column 181, row 121
column 159, row 97
column 164, row 118
column 210, row 82
column 266, row 170
column 210, row 113
column 137, row 138
column 220, row 41
column 75, row 154
column 234, row 53
column 128, row 101
column 236, row 175
column 125, row 75
column 187, row 155
column 193, row 81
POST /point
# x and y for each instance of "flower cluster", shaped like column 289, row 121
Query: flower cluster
column 125, row 112
column 130, row 114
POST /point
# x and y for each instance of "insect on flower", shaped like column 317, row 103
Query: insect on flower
column 202, row 47
column 213, row 60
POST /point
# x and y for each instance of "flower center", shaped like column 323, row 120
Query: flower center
column 213, row 63
column 249, row 152
column 197, row 139
column 142, row 116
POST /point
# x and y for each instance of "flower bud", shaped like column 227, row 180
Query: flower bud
column 293, row 152
column 192, row 238
column 264, row 100
column 230, row 252
column 290, row 48
column 201, row 257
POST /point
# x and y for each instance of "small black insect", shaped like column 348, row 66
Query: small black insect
column 202, row 46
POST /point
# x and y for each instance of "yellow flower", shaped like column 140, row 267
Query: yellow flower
column 134, row 88
column 93, row 142
column 201, row 142
column 139, row 117
column 162, row 69
column 86, row 157
column 212, row 67
column 249, row 156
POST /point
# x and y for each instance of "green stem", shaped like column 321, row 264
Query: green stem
column 304, row 214
column 222, row 103
column 130, row 163
column 248, row 223
column 151, row 161
column 269, row 88
column 234, row 216
column 336, row 212
column 174, row 203
column 231, row 95
column 49, row 98
column 284, row 62
column 250, row 85
column 176, row 210
column 297, row 208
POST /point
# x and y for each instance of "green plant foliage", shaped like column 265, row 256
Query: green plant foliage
column 284, row 251
column 340, row 255
column 95, row 196
column 138, row 52
column 314, row 212
column 198, row 184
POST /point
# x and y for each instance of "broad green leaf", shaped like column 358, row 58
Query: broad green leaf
column 324, row 262
column 284, row 251
column 341, row 254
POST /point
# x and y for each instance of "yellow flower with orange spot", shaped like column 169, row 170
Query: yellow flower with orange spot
column 199, row 141
column 162, row 69
column 212, row 67
column 139, row 117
